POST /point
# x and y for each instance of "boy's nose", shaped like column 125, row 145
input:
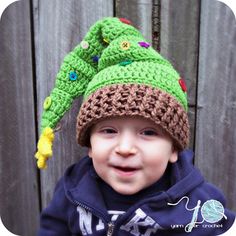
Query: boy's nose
column 126, row 145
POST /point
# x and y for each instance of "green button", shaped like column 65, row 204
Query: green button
column 125, row 63
column 47, row 103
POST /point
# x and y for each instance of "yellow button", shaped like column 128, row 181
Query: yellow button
column 125, row 45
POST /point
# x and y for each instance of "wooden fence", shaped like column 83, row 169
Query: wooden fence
column 198, row 37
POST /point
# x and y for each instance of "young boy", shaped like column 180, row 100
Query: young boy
column 138, row 178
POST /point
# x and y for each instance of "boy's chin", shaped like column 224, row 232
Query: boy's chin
column 126, row 190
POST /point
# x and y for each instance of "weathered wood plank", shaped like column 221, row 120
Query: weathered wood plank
column 18, row 176
column 139, row 12
column 179, row 43
column 156, row 24
column 59, row 27
column 216, row 122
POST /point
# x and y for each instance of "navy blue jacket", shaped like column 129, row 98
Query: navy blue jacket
column 191, row 206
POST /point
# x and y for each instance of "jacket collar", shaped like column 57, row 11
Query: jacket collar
column 81, row 188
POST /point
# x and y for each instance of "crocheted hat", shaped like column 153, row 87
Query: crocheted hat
column 118, row 73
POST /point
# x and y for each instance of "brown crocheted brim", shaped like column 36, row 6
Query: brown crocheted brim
column 134, row 100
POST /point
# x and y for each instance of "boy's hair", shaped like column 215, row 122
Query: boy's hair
column 118, row 73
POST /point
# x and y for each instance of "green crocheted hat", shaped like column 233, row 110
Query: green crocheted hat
column 118, row 73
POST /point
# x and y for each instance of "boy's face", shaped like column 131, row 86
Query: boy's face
column 130, row 153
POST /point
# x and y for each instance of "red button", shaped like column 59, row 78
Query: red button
column 125, row 21
column 183, row 84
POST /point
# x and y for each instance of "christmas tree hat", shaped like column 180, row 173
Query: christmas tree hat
column 118, row 73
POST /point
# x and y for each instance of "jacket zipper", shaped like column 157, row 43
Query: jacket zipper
column 83, row 206
column 110, row 225
column 110, row 229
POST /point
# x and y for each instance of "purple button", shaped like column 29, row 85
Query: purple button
column 144, row 44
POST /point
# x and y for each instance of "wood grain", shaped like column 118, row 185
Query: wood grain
column 18, row 176
column 139, row 12
column 216, row 114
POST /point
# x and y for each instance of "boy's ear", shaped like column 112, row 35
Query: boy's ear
column 173, row 157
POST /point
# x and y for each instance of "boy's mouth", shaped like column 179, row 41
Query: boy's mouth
column 125, row 171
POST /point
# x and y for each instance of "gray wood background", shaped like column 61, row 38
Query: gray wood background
column 198, row 37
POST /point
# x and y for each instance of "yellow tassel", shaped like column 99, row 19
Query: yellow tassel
column 44, row 147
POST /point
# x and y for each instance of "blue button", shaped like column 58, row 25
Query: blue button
column 73, row 76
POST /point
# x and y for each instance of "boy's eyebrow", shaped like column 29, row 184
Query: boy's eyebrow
column 105, row 123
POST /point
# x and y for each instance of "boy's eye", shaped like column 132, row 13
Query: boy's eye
column 108, row 131
column 149, row 132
